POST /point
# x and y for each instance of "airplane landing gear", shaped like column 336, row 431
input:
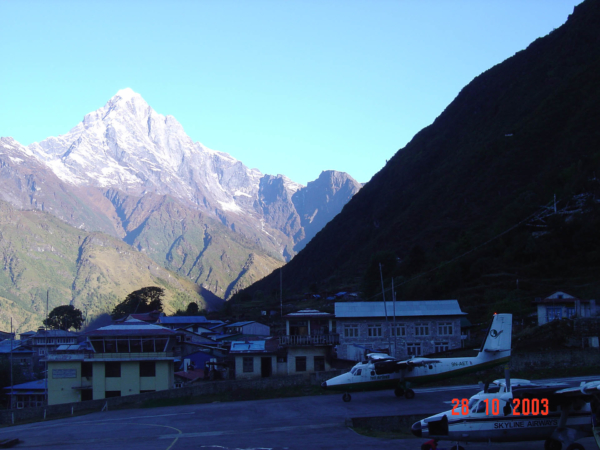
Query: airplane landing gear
column 399, row 392
column 410, row 394
column 552, row 444
column 346, row 397
column 575, row 446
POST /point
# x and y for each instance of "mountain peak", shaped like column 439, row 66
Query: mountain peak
column 126, row 94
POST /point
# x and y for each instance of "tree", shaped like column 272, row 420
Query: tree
column 192, row 309
column 64, row 317
column 143, row 300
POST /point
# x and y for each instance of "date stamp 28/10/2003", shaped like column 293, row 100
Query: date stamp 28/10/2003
column 491, row 407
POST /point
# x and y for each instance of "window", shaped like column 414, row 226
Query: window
column 86, row 369
column 570, row 312
column 413, row 349
column 480, row 408
column 319, row 363
column 147, row 369
column 113, row 370
column 421, row 329
column 554, row 313
column 374, row 330
column 300, row 363
column 42, row 351
column 351, row 330
column 441, row 347
column 248, row 364
column 399, row 329
column 445, row 328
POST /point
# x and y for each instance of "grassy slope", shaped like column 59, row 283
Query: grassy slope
column 94, row 271
column 196, row 246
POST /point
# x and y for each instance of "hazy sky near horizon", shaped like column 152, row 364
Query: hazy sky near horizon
column 292, row 87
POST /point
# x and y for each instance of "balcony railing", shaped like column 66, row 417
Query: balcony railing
column 80, row 356
column 316, row 339
column 140, row 355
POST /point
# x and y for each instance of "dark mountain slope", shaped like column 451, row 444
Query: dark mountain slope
column 515, row 136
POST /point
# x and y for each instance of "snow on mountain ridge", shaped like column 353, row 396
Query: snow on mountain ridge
column 126, row 144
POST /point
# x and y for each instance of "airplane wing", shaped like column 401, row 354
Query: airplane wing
column 387, row 364
column 583, row 390
column 380, row 357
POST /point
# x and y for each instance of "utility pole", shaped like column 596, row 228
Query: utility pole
column 11, row 365
column 394, row 322
column 46, row 348
column 384, row 306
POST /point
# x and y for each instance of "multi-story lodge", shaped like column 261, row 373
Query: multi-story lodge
column 117, row 360
column 304, row 349
column 402, row 328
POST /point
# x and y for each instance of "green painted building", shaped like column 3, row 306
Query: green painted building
column 132, row 357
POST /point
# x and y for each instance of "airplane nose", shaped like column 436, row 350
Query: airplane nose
column 324, row 384
column 416, row 429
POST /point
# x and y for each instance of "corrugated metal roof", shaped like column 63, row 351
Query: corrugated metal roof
column 130, row 330
column 403, row 308
column 248, row 346
column 308, row 313
column 559, row 297
column 37, row 384
column 5, row 347
column 183, row 319
column 239, row 324
column 56, row 333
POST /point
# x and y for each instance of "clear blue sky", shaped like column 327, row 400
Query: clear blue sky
column 286, row 86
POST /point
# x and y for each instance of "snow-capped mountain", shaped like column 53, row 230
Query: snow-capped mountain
column 130, row 172
column 128, row 146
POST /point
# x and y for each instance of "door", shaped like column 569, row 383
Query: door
column 265, row 367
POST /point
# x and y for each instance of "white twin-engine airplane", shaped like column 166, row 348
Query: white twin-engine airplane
column 521, row 412
column 384, row 372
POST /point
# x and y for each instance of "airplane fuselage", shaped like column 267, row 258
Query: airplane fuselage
column 364, row 377
column 484, row 423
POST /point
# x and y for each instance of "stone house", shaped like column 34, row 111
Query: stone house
column 402, row 329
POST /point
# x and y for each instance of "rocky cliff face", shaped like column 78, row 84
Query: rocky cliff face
column 320, row 201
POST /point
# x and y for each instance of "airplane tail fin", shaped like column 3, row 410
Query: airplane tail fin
column 499, row 336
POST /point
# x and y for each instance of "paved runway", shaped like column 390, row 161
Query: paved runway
column 288, row 423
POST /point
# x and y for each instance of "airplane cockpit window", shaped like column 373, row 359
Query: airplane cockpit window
column 353, row 371
column 481, row 407
column 358, row 372
column 472, row 403
column 372, row 373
